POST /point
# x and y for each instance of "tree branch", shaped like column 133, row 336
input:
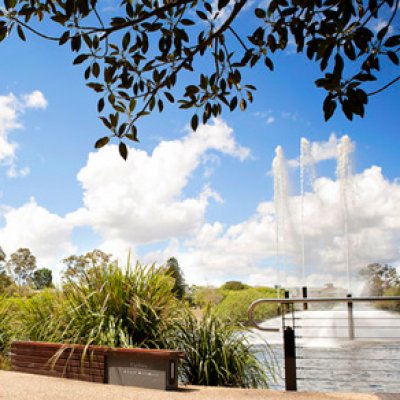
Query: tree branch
column 392, row 82
column 26, row 26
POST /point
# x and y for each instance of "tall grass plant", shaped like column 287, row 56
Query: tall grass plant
column 216, row 354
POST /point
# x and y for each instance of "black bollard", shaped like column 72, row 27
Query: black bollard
column 290, row 358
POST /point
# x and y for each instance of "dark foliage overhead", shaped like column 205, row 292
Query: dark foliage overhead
column 134, row 59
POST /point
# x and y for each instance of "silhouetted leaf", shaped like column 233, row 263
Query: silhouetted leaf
column 123, row 150
column 102, row 142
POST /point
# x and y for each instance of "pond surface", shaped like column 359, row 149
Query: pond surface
column 328, row 361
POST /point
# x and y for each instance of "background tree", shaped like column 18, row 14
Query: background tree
column 234, row 285
column 21, row 265
column 76, row 266
column 134, row 59
column 172, row 268
column 42, row 278
column 380, row 278
column 5, row 281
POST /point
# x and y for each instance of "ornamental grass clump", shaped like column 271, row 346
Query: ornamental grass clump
column 217, row 354
column 5, row 325
column 40, row 317
column 6, row 331
column 118, row 307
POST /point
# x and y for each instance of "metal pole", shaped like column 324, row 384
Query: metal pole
column 350, row 318
column 290, row 358
column 305, row 295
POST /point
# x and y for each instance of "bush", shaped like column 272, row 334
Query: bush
column 235, row 305
column 41, row 316
column 390, row 305
column 7, row 331
column 120, row 308
column 5, row 325
column 216, row 354
column 204, row 296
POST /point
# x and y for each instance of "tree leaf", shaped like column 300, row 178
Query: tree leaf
column 80, row 59
column 222, row 4
column 21, row 33
column 102, row 142
column 195, row 122
column 260, row 13
column 393, row 57
column 100, row 105
column 329, row 107
column 123, row 150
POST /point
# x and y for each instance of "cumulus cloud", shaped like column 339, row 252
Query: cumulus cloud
column 47, row 235
column 142, row 204
column 11, row 109
column 320, row 151
column 248, row 250
column 141, row 200
column 35, row 99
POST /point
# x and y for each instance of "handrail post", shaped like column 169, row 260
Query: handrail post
column 290, row 358
column 350, row 318
column 305, row 295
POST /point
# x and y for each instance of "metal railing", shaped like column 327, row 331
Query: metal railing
column 348, row 344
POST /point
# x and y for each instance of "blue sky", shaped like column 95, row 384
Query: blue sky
column 206, row 198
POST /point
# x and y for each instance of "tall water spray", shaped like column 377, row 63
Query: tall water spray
column 344, row 175
column 306, row 165
column 304, row 152
column 281, row 207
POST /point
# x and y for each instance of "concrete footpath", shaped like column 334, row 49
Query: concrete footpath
column 17, row 386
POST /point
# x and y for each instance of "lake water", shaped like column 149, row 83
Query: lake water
column 328, row 361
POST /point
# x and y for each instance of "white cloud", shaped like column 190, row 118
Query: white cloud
column 320, row 151
column 266, row 116
column 47, row 235
column 35, row 99
column 8, row 122
column 141, row 200
column 11, row 108
column 247, row 251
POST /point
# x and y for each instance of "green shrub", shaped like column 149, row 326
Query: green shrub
column 216, row 354
column 110, row 306
column 390, row 305
column 5, row 324
column 204, row 296
column 236, row 303
column 7, row 330
column 41, row 316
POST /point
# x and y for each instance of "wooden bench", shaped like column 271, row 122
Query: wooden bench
column 157, row 369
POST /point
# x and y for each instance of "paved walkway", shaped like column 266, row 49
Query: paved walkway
column 17, row 386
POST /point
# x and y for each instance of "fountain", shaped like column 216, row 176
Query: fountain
column 286, row 207
column 306, row 163
column 281, row 207
column 323, row 334
column 344, row 175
